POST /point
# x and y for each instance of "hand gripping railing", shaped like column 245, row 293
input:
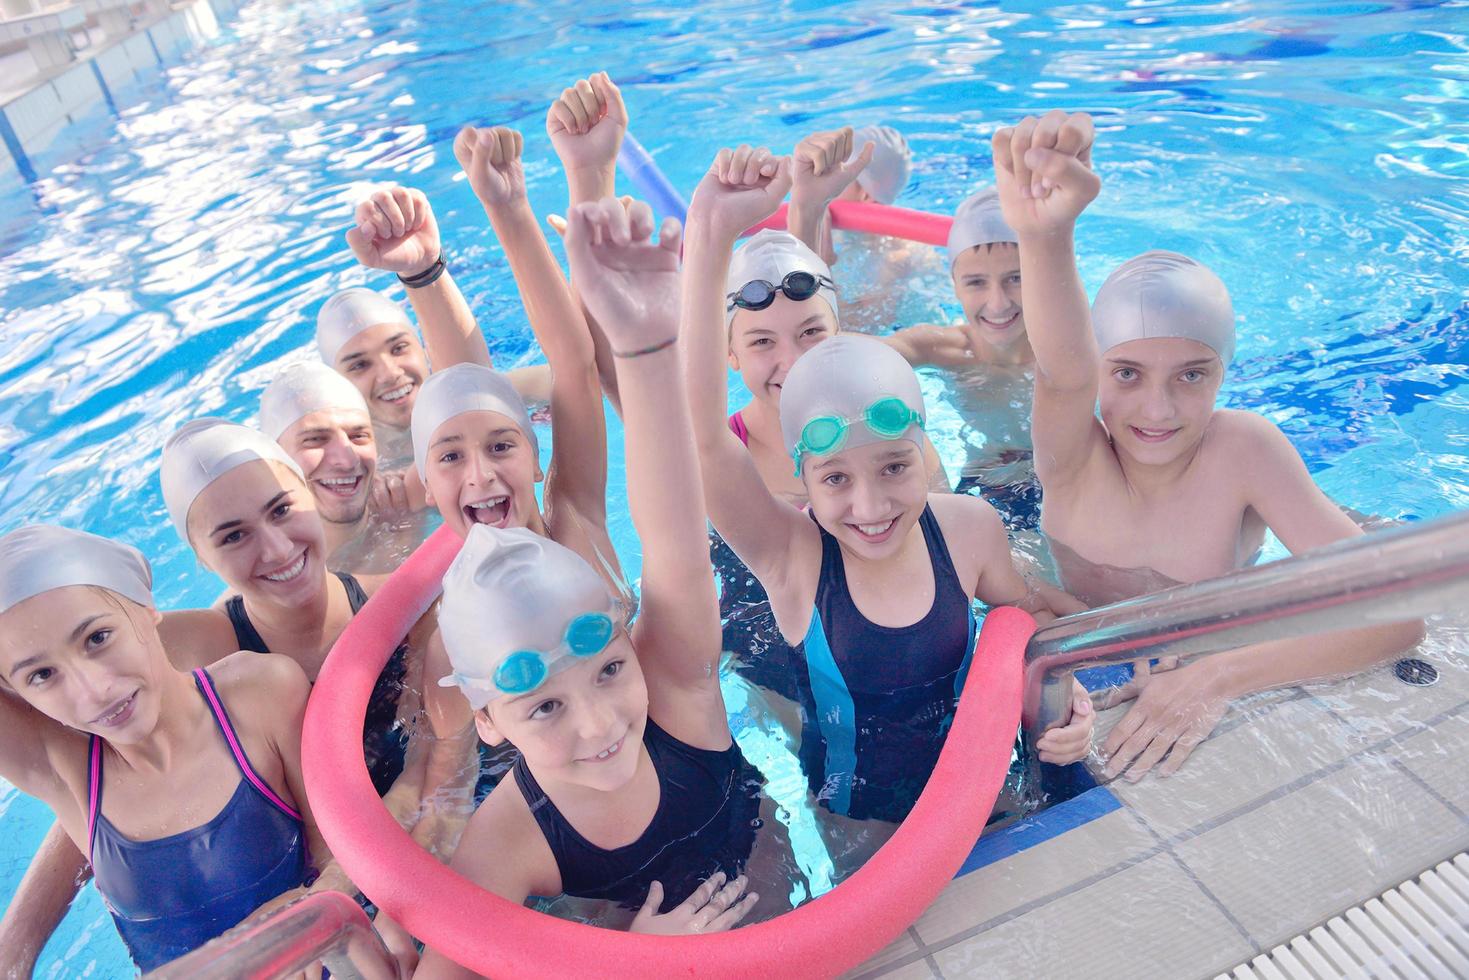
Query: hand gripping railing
column 327, row 926
column 1403, row 573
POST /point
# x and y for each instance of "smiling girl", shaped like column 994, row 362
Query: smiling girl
column 183, row 788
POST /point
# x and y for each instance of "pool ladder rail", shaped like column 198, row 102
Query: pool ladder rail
column 1398, row 574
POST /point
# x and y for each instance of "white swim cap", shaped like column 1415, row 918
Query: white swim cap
column 1164, row 294
column 772, row 255
column 843, row 378
column 978, row 221
column 43, row 557
column 350, row 312
column 887, row 174
column 302, row 389
column 459, row 389
column 518, row 608
column 204, row 450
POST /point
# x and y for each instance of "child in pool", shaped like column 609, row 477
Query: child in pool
column 100, row 726
column 320, row 419
column 1152, row 352
column 873, row 583
column 478, row 456
column 241, row 503
column 609, row 720
column 822, row 160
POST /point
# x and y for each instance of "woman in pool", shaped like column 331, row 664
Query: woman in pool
column 630, row 787
column 873, row 584
column 102, row 727
column 1151, row 353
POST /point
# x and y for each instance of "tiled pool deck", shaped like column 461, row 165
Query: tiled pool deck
column 1304, row 802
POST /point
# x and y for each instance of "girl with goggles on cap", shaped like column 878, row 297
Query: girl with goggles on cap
column 873, row 584
column 184, row 788
column 630, row 787
column 1149, row 358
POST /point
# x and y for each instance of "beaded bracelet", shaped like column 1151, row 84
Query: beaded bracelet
column 427, row 277
column 650, row 349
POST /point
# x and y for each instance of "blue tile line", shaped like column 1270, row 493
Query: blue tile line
column 102, row 83
column 12, row 143
column 153, row 44
column 1017, row 837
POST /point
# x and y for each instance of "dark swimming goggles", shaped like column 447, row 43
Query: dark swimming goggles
column 757, row 294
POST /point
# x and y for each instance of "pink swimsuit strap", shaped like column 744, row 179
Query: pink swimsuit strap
column 207, row 686
column 737, row 426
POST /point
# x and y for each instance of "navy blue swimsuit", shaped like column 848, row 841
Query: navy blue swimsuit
column 877, row 700
column 171, row 895
column 708, row 811
column 384, row 741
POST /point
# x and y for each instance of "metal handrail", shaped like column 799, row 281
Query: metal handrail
column 1393, row 575
column 327, row 926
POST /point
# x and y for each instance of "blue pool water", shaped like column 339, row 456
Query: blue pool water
column 171, row 258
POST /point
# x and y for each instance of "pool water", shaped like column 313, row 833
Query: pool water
column 171, row 258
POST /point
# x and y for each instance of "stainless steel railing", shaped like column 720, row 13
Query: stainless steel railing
column 327, row 926
column 1394, row 575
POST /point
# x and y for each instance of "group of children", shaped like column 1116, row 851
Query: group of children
column 625, row 784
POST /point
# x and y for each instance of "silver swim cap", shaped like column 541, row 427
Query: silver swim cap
column 978, row 221
column 1164, row 294
column 204, row 450
column 772, row 255
column 518, row 608
column 892, row 162
column 459, row 389
column 43, row 557
column 350, row 312
column 844, row 378
column 302, row 389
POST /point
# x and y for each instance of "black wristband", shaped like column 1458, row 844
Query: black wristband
column 427, row 277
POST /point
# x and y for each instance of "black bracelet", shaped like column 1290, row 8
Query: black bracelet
column 650, row 349
column 427, row 277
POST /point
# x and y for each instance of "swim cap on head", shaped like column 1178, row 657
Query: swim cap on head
column 43, row 557
column 772, row 255
column 887, row 174
column 843, row 378
column 302, row 389
column 204, row 450
column 1164, row 294
column 459, row 389
column 350, row 312
column 517, row 608
column 978, row 221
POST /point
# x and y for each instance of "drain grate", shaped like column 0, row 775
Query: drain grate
column 1419, row 673
column 1418, row 929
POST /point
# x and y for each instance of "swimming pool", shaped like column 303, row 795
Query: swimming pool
column 170, row 259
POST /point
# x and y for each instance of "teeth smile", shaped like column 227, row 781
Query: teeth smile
column 286, row 574
column 873, row 530
column 610, row 751
column 397, row 394
column 488, row 503
column 112, row 715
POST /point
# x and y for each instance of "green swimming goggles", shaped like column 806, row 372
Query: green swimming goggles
column 887, row 418
column 525, row 670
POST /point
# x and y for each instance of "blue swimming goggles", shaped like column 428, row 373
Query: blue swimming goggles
column 525, row 670
column 887, row 418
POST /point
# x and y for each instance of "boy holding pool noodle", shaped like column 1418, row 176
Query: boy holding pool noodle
column 1150, row 355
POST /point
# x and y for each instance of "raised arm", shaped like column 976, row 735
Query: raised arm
column 1044, row 177
column 396, row 232
column 742, row 187
column 578, row 472
column 632, row 285
column 820, row 172
column 586, row 126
